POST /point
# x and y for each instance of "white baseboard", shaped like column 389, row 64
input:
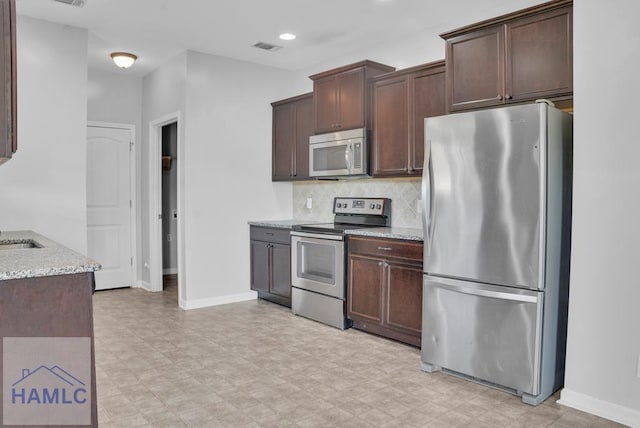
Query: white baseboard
column 215, row 301
column 595, row 406
column 170, row 271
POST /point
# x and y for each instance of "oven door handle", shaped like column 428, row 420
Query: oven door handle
column 317, row 236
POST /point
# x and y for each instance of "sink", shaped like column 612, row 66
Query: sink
column 19, row 245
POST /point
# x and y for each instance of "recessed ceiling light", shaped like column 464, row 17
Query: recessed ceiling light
column 287, row 36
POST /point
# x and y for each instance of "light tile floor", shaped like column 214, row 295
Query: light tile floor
column 254, row 364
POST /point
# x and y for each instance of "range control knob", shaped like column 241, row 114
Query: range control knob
column 372, row 206
column 378, row 206
column 339, row 205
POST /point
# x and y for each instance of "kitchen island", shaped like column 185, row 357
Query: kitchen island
column 46, row 324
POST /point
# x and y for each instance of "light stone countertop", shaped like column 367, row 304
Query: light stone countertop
column 52, row 259
column 281, row 224
column 389, row 232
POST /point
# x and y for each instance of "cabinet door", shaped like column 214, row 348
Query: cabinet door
column 539, row 56
column 303, row 129
column 428, row 101
column 325, row 103
column 364, row 292
column 8, row 140
column 351, row 99
column 281, row 270
column 404, row 297
column 260, row 266
column 282, row 155
column 390, row 127
column 475, row 69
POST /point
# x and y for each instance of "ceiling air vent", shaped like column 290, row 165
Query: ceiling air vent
column 78, row 3
column 267, row 46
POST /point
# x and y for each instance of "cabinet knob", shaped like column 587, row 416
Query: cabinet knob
column 499, row 97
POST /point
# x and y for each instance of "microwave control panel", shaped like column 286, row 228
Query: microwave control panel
column 368, row 206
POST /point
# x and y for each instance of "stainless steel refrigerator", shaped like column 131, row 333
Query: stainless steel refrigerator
column 496, row 199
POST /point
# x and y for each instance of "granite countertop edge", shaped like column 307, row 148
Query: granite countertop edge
column 281, row 224
column 405, row 233
column 50, row 260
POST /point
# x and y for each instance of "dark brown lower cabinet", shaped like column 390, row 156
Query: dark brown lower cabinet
column 384, row 287
column 271, row 264
column 52, row 307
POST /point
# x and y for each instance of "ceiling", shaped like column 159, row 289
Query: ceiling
column 158, row 30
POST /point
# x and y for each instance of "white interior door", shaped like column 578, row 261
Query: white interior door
column 109, row 205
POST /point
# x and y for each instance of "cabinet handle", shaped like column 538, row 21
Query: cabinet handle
column 499, row 97
column 508, row 96
column 385, row 248
column 379, row 263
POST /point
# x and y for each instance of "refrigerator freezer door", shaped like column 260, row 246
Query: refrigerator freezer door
column 484, row 190
column 491, row 333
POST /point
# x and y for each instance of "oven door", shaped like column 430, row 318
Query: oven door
column 317, row 263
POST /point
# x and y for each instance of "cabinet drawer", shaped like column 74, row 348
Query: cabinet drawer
column 386, row 248
column 269, row 234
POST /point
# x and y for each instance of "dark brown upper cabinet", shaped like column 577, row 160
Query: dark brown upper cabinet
column 8, row 106
column 292, row 126
column 401, row 102
column 522, row 56
column 341, row 96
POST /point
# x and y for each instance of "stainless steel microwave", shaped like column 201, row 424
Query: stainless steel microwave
column 338, row 154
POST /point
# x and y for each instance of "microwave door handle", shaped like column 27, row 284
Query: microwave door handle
column 352, row 157
column 347, row 157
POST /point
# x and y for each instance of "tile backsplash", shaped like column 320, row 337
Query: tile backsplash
column 403, row 192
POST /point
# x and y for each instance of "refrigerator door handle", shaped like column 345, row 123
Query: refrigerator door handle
column 426, row 196
column 502, row 295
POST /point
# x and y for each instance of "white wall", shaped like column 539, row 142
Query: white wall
column 227, row 171
column 117, row 98
column 604, row 307
column 114, row 97
column 43, row 187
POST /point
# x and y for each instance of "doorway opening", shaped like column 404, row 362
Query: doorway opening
column 166, row 129
column 169, row 135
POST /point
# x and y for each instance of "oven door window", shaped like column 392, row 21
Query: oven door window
column 317, row 262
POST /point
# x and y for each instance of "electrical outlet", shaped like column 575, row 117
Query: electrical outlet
column 309, row 203
column 419, row 206
column 169, row 237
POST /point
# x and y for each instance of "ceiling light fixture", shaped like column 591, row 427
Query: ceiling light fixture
column 287, row 36
column 123, row 59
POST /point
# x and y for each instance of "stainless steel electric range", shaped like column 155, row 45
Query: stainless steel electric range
column 318, row 258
